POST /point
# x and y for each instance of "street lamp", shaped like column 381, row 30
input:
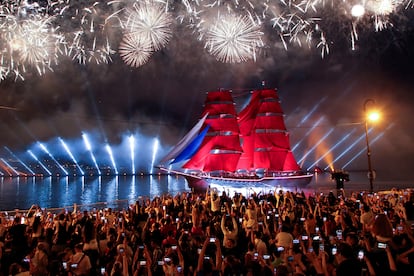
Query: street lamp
column 371, row 116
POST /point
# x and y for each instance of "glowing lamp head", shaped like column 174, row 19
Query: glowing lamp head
column 373, row 116
column 358, row 10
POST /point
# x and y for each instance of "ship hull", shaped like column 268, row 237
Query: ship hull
column 200, row 183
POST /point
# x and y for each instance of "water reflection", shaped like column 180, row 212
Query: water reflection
column 118, row 192
column 60, row 192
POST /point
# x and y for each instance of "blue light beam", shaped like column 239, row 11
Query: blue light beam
column 40, row 163
column 316, row 145
column 363, row 150
column 331, row 149
column 71, row 155
column 132, row 148
column 372, row 142
column 109, row 150
column 43, row 147
column 347, row 150
column 89, row 148
column 20, row 161
column 308, row 133
column 154, row 154
column 10, row 167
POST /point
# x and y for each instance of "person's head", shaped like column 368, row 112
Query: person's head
column 351, row 239
column 382, row 227
column 344, row 251
column 79, row 247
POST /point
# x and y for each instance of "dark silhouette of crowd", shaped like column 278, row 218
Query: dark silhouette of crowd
column 215, row 233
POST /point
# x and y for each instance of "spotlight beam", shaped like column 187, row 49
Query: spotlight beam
column 331, row 149
column 376, row 138
column 109, row 150
column 10, row 167
column 89, row 148
column 316, row 145
column 20, row 161
column 308, row 133
column 154, row 154
column 347, row 150
column 43, row 147
column 363, row 150
column 71, row 155
column 132, row 148
column 40, row 163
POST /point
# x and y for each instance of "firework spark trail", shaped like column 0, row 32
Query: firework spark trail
column 149, row 21
column 27, row 41
column 135, row 51
column 234, row 39
column 85, row 27
column 35, row 35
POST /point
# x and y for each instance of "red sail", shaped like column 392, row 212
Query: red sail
column 221, row 148
column 263, row 131
column 290, row 163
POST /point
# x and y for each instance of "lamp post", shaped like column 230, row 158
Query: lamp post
column 370, row 172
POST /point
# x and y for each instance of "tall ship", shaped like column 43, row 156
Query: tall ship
column 249, row 149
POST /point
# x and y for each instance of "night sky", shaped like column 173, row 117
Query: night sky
column 164, row 97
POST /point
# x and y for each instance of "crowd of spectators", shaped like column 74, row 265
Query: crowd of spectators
column 215, row 233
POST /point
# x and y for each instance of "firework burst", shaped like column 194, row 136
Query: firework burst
column 27, row 41
column 150, row 22
column 86, row 30
column 234, row 39
column 34, row 35
column 134, row 50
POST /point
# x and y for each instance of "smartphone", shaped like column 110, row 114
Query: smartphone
column 339, row 234
column 361, row 254
column 321, row 247
column 212, row 239
column 102, row 270
column 266, row 257
column 334, row 250
column 310, row 250
column 382, row 245
column 177, row 220
column 305, row 238
column 206, row 258
column 167, row 260
column 121, row 250
column 280, row 249
column 324, row 219
column 65, row 265
column 173, row 247
column 74, row 265
column 295, row 241
column 142, row 262
column 240, row 220
column 179, row 269
column 399, row 228
column 141, row 247
column 302, row 219
column 290, row 259
column 160, row 262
